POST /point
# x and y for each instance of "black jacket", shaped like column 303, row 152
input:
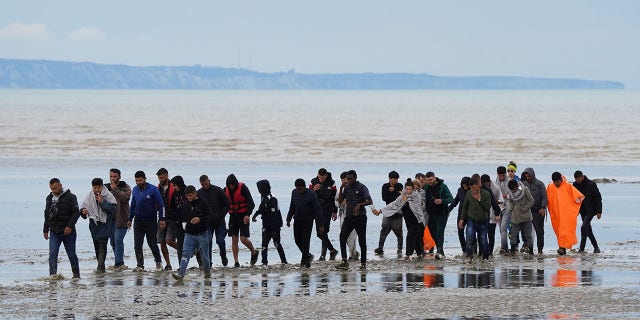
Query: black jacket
column 592, row 202
column 64, row 213
column 326, row 195
column 218, row 203
column 197, row 208
column 388, row 196
column 271, row 215
column 305, row 206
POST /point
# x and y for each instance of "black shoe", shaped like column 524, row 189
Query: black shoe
column 254, row 257
column 168, row 268
column 581, row 250
column 332, row 254
column 562, row 251
column 378, row 251
column 236, row 265
column 596, row 250
column 225, row 261
column 322, row 258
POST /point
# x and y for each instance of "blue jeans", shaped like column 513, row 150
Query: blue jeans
column 481, row 229
column 55, row 239
column 117, row 243
column 191, row 243
column 221, row 233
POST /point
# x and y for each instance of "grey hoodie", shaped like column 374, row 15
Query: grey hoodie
column 538, row 190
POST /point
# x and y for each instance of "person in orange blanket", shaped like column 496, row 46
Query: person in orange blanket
column 564, row 206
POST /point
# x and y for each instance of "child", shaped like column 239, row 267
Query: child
column 271, row 221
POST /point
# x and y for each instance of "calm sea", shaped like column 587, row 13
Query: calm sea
column 77, row 135
column 372, row 126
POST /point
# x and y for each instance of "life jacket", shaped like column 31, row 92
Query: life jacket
column 238, row 203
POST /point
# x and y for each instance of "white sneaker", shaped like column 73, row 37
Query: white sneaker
column 138, row 269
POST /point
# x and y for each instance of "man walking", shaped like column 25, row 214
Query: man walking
column 390, row 192
column 590, row 207
column 304, row 208
column 539, row 208
column 475, row 212
column 240, row 207
column 99, row 207
column 60, row 216
column 564, row 205
column 122, row 192
column 147, row 208
column 357, row 197
column 438, row 198
column 219, row 205
column 325, row 188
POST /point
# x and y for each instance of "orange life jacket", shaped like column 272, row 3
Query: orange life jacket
column 238, row 203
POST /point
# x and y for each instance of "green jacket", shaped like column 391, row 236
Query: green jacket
column 478, row 211
column 443, row 194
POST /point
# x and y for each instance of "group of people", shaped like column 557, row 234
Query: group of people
column 186, row 219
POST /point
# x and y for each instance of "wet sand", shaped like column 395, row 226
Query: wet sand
column 605, row 285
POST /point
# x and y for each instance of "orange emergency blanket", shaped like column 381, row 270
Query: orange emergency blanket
column 564, row 207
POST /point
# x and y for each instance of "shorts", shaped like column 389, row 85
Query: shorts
column 169, row 233
column 236, row 225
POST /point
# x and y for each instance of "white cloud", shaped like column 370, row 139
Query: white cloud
column 86, row 34
column 17, row 30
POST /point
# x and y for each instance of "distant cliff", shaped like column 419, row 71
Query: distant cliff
column 84, row 75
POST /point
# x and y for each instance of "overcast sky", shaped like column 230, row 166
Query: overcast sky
column 570, row 39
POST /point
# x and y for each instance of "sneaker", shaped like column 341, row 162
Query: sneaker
column 168, row 268
column 512, row 252
column 596, row 250
column 562, row 251
column 177, row 276
column 120, row 267
column 363, row 267
column 343, row 265
column 503, row 251
column 138, row 269
column 264, row 266
column 355, row 256
column 322, row 258
column 581, row 250
column 76, row 276
column 378, row 251
column 311, row 256
column 207, row 275
column 439, row 256
column 236, row 265
column 254, row 257
column 158, row 266
column 225, row 261
column 540, row 251
column 332, row 254
column 399, row 251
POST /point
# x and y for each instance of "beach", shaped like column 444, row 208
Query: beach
column 78, row 135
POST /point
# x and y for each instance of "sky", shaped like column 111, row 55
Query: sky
column 582, row 39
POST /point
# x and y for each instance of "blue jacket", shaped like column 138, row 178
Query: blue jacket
column 146, row 203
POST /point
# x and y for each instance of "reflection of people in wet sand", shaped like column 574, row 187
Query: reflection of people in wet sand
column 564, row 204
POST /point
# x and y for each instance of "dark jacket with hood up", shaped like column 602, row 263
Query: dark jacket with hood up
column 538, row 190
column 268, row 208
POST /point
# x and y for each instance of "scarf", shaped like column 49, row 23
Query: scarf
column 515, row 196
column 95, row 211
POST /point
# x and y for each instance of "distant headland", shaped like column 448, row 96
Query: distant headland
column 45, row 74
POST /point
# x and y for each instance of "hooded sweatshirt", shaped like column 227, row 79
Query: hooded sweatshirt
column 538, row 190
column 438, row 191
